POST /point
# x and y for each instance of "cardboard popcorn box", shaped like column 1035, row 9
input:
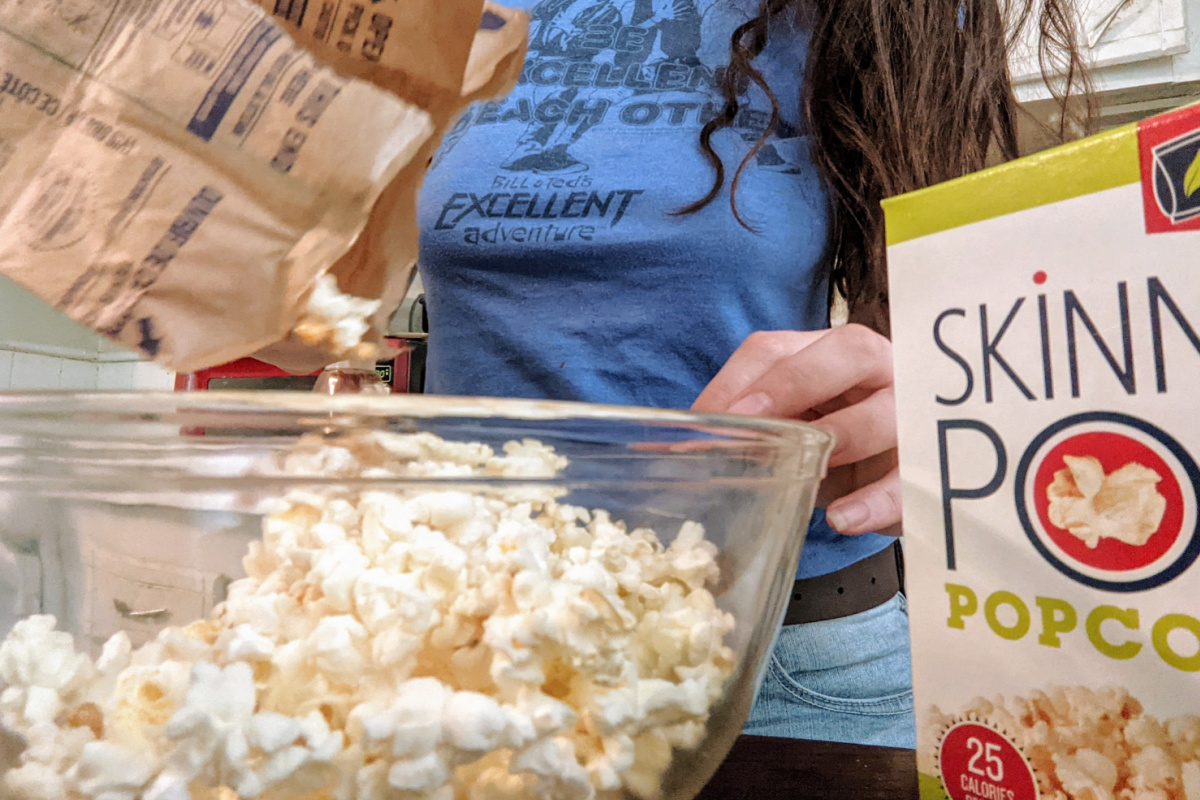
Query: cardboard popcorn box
column 1046, row 320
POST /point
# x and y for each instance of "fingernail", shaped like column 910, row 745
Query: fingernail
column 754, row 405
column 848, row 517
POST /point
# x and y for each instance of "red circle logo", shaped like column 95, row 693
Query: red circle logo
column 978, row 763
column 1118, row 457
column 1110, row 501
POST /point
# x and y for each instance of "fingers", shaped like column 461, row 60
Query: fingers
column 749, row 363
column 783, row 374
column 848, row 359
column 842, row 380
column 862, row 430
column 875, row 507
column 841, row 481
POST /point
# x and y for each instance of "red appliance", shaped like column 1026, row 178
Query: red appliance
column 404, row 373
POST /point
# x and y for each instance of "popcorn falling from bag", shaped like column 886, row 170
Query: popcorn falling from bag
column 180, row 176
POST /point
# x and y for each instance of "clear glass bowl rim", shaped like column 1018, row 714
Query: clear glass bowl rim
column 314, row 412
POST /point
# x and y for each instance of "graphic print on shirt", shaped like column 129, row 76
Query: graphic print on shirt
column 594, row 64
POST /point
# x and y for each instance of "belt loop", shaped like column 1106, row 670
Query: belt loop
column 900, row 564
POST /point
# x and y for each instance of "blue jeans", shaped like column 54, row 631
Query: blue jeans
column 841, row 680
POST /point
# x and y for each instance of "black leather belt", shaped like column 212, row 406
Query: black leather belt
column 851, row 590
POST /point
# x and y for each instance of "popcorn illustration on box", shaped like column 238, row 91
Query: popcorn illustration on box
column 1124, row 505
column 1046, row 318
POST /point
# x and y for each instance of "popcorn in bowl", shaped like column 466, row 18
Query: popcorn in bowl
column 440, row 643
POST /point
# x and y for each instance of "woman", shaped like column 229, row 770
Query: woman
column 576, row 244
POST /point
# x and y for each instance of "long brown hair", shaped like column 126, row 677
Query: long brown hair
column 900, row 95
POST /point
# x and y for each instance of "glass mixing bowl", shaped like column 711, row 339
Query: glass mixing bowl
column 134, row 513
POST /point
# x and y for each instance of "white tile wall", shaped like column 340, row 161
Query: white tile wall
column 78, row 374
column 31, row 372
column 148, row 376
column 40, row 349
column 21, row 371
column 116, row 376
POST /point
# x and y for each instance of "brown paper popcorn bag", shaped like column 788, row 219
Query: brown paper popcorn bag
column 182, row 175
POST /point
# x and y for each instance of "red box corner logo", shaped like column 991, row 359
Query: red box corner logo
column 1170, row 152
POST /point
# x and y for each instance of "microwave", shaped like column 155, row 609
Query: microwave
column 403, row 373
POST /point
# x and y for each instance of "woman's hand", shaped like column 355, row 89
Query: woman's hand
column 841, row 380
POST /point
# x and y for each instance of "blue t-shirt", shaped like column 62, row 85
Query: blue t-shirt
column 553, row 264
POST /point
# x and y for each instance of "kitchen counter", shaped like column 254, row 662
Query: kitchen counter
column 762, row 768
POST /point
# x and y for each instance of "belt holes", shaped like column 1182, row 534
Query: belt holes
column 841, row 589
column 872, row 581
column 797, row 596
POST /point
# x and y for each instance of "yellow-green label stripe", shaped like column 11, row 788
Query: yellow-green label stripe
column 930, row 787
column 1091, row 165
